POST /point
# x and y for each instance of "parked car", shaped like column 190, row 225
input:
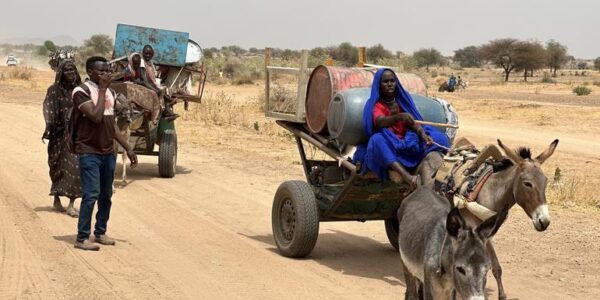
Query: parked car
column 11, row 61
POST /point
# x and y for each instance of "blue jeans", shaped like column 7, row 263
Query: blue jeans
column 97, row 174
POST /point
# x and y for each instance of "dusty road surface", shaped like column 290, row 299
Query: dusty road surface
column 206, row 234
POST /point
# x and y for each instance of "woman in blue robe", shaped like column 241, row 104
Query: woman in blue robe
column 396, row 142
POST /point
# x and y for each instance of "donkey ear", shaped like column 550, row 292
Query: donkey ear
column 510, row 153
column 547, row 153
column 454, row 222
column 489, row 227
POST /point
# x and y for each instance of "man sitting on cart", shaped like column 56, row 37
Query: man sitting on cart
column 396, row 141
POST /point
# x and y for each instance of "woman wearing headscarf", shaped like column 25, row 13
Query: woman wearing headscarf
column 395, row 142
column 64, row 165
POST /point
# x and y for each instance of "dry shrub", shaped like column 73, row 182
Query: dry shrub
column 283, row 98
column 548, row 78
column 582, row 90
column 235, row 70
column 20, row 73
column 572, row 191
column 218, row 109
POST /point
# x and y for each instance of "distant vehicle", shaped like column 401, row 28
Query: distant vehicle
column 11, row 61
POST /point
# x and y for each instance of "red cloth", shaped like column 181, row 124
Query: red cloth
column 381, row 110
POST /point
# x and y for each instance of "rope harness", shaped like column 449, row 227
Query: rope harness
column 461, row 181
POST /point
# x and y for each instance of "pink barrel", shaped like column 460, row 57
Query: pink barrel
column 324, row 83
column 412, row 83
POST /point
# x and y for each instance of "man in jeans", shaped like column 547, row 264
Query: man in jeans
column 94, row 132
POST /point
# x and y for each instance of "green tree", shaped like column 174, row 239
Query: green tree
column 427, row 57
column 97, row 44
column 46, row 49
column 42, row 51
column 467, row 57
column 287, row 54
column 528, row 57
column 501, row 53
column 50, row 46
column 597, row 63
column 317, row 56
column 557, row 55
column 208, row 53
column 378, row 53
column 346, row 54
column 236, row 50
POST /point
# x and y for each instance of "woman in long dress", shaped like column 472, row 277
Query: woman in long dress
column 396, row 141
column 64, row 165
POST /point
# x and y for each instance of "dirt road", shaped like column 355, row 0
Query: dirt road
column 206, row 234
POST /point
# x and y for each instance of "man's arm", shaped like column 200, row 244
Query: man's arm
column 125, row 144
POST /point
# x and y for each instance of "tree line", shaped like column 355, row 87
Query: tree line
column 512, row 55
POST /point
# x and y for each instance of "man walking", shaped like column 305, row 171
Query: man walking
column 93, row 135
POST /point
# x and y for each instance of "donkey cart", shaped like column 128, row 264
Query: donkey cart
column 333, row 191
column 177, row 57
column 327, row 114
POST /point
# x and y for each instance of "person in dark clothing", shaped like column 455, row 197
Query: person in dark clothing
column 64, row 165
column 95, row 130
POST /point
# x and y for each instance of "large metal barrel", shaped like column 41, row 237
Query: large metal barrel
column 324, row 83
column 412, row 83
column 344, row 120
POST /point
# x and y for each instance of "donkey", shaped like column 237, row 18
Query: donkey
column 441, row 254
column 520, row 180
column 123, row 116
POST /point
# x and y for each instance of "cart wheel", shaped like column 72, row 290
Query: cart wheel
column 391, row 230
column 167, row 154
column 295, row 219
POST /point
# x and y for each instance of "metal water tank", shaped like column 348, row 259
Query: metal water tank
column 344, row 120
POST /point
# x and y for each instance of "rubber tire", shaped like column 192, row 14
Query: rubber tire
column 391, row 230
column 306, row 223
column 167, row 154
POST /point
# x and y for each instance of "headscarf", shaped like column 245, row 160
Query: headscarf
column 61, row 69
column 57, row 91
column 387, row 148
column 403, row 99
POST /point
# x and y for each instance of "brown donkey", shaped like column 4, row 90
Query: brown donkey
column 521, row 182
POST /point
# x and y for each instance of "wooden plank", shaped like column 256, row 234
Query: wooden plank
column 267, row 78
column 332, row 153
column 302, row 85
column 283, row 116
column 436, row 124
column 362, row 56
column 286, row 71
column 283, row 68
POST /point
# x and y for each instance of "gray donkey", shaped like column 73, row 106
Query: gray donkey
column 518, row 180
column 441, row 254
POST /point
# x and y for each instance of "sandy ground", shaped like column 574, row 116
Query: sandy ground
column 206, row 234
